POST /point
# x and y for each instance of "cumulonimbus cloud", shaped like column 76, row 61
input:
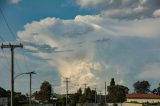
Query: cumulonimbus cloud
column 102, row 47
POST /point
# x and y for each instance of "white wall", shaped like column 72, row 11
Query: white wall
column 144, row 100
column 131, row 104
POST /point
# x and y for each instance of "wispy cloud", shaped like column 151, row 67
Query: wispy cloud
column 122, row 9
column 14, row 1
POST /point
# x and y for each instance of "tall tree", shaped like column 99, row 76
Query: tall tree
column 116, row 93
column 3, row 92
column 79, row 91
column 112, row 83
column 156, row 91
column 141, row 87
column 46, row 89
column 75, row 97
column 88, row 96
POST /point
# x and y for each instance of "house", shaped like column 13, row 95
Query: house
column 39, row 98
column 42, row 98
column 3, row 101
column 143, row 98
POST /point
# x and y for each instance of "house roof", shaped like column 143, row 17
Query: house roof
column 40, row 97
column 142, row 96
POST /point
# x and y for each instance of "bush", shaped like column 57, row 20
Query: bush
column 115, row 104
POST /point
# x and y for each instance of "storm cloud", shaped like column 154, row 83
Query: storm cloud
column 123, row 9
column 105, row 48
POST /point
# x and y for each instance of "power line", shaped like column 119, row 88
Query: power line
column 25, row 61
column 8, row 26
column 17, row 65
column 5, row 56
column 2, row 38
column 14, row 36
column 11, row 31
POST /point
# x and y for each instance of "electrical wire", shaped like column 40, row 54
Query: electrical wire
column 14, row 37
column 25, row 60
column 7, row 24
column 2, row 39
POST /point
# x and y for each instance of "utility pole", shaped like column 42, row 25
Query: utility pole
column 85, row 86
column 95, row 95
column 30, row 75
column 12, row 47
column 105, row 91
column 53, row 90
column 100, row 92
column 66, row 81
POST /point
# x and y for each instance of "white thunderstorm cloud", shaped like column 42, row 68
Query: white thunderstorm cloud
column 118, row 42
column 93, row 49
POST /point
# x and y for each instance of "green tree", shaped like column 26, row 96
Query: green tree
column 88, row 96
column 61, row 101
column 156, row 90
column 79, row 92
column 19, row 98
column 112, row 83
column 82, row 99
column 75, row 97
column 3, row 92
column 117, row 93
column 46, row 89
column 141, row 87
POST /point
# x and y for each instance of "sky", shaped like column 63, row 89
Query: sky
column 89, row 41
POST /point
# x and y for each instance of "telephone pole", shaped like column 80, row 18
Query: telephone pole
column 105, row 91
column 85, row 86
column 12, row 47
column 95, row 95
column 100, row 92
column 30, row 76
column 66, row 81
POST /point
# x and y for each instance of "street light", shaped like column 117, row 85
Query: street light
column 19, row 75
column 30, row 73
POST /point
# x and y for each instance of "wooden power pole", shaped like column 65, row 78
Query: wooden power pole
column 66, row 81
column 12, row 47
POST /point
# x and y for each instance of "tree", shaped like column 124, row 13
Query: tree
column 156, row 91
column 112, row 83
column 88, row 96
column 79, row 91
column 19, row 98
column 141, row 87
column 116, row 93
column 46, row 89
column 75, row 97
column 3, row 92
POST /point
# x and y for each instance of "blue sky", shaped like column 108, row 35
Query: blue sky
column 89, row 41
